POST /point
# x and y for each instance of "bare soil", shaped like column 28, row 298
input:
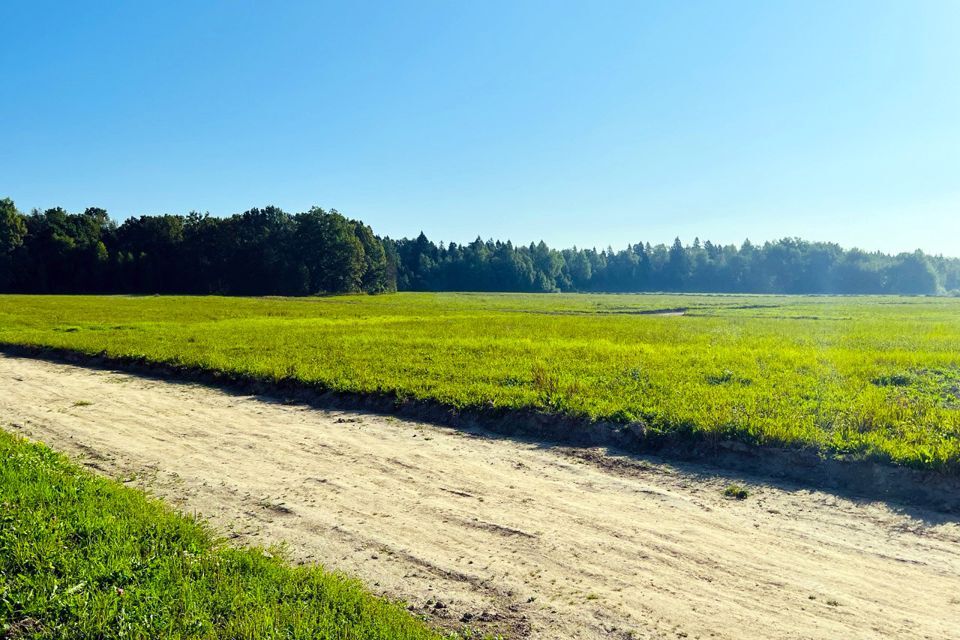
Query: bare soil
column 502, row 535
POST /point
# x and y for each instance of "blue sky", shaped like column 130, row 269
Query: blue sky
column 589, row 124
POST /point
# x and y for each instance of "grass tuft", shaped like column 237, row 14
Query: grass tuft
column 736, row 491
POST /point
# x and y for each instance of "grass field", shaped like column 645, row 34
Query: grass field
column 875, row 377
column 85, row 557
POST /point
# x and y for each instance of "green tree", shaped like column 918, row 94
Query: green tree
column 375, row 272
column 13, row 227
column 678, row 267
column 912, row 274
column 330, row 250
column 13, row 230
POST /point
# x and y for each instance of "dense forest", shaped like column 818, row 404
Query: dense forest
column 258, row 252
column 790, row 265
column 270, row 252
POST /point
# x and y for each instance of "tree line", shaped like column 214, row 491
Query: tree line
column 271, row 252
column 258, row 252
column 790, row 265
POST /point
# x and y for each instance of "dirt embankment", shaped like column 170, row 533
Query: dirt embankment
column 503, row 535
column 867, row 478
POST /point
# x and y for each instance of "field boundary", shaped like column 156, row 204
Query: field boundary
column 866, row 479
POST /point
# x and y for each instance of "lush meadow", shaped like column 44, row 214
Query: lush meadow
column 875, row 377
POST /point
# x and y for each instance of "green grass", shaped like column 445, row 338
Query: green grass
column 84, row 557
column 736, row 491
column 868, row 377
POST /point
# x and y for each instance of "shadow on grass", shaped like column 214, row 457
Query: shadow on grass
column 929, row 497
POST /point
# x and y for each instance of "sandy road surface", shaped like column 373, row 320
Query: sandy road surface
column 531, row 541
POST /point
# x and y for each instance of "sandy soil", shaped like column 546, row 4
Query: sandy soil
column 508, row 536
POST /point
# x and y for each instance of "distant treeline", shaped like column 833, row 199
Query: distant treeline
column 790, row 265
column 270, row 252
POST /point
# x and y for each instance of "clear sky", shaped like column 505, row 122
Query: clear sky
column 588, row 123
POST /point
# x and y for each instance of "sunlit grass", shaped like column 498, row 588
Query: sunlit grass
column 85, row 557
column 870, row 377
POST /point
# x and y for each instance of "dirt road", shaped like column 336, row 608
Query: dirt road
column 512, row 537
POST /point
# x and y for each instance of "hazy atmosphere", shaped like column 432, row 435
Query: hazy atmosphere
column 587, row 124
